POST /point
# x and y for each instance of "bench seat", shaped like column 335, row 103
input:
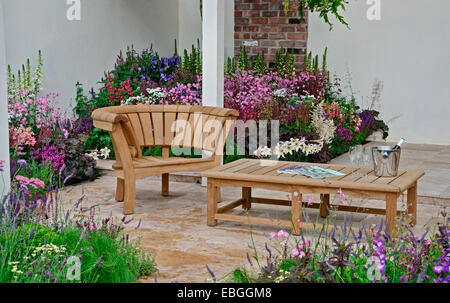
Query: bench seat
column 133, row 127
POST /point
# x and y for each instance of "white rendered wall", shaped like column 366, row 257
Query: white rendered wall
column 82, row 50
column 408, row 49
column 4, row 135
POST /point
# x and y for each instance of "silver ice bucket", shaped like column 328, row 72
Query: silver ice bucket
column 385, row 161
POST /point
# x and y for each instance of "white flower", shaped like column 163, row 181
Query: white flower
column 257, row 152
column 280, row 93
column 287, row 148
column 104, row 152
column 262, row 152
column 296, row 144
column 266, row 152
column 324, row 127
column 94, row 155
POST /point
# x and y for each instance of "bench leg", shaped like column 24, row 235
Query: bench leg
column 218, row 195
column 165, row 185
column 130, row 196
column 324, row 205
column 391, row 211
column 412, row 203
column 120, row 190
column 246, row 196
column 212, row 203
column 296, row 212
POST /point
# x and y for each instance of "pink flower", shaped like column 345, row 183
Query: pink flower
column 273, row 235
column 340, row 192
column 300, row 253
column 344, row 202
column 309, row 201
column 282, row 234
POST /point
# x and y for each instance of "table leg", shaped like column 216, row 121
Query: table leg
column 212, row 203
column 391, row 211
column 324, row 205
column 165, row 185
column 246, row 196
column 412, row 203
column 296, row 212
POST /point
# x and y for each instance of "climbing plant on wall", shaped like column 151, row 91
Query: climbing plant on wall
column 325, row 8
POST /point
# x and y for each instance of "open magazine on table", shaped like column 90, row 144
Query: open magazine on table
column 315, row 172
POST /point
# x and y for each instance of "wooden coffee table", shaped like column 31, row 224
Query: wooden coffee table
column 248, row 173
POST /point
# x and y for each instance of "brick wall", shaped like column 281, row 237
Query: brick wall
column 264, row 22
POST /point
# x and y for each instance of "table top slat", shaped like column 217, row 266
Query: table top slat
column 407, row 179
column 267, row 169
column 242, row 165
column 387, row 180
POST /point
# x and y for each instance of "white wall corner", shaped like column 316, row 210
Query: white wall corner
column 4, row 132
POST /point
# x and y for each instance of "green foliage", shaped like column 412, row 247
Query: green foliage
column 240, row 276
column 242, row 61
column 192, row 63
column 26, row 79
column 325, row 8
column 105, row 257
column 259, row 66
column 285, row 63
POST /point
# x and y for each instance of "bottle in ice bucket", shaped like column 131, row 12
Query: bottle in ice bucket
column 397, row 146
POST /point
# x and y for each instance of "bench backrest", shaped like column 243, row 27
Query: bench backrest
column 199, row 127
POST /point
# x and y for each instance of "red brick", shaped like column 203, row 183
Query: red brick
column 287, row 29
column 277, row 36
column 269, row 28
column 270, row 14
column 250, row 28
column 268, row 43
column 286, row 43
column 241, row 21
column 278, row 20
column 259, row 20
column 296, row 36
column 260, row 7
column 260, row 36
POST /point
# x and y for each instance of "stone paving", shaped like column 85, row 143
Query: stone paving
column 175, row 227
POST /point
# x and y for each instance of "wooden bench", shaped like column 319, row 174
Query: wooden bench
column 248, row 173
column 132, row 127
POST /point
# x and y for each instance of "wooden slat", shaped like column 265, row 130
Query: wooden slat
column 182, row 118
column 370, row 178
column 147, row 128
column 268, row 168
column 387, row 180
column 250, row 169
column 169, row 120
column 230, row 206
column 358, row 174
column 158, row 127
column 242, row 165
column 407, row 179
column 137, row 127
column 197, row 140
column 216, row 133
column 275, row 172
